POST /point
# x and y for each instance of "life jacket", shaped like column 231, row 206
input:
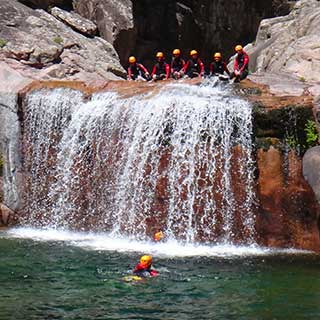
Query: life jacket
column 136, row 70
column 241, row 59
column 217, row 67
column 142, row 271
column 161, row 68
column 177, row 64
column 194, row 66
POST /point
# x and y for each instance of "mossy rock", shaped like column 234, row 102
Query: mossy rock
column 1, row 166
column 266, row 143
column 287, row 124
column 3, row 43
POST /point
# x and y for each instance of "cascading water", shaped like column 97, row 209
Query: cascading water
column 179, row 160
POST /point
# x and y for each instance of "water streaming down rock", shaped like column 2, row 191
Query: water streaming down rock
column 178, row 160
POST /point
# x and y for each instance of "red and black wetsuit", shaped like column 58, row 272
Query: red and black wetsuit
column 161, row 70
column 241, row 63
column 135, row 70
column 218, row 67
column 142, row 271
column 177, row 64
column 194, row 68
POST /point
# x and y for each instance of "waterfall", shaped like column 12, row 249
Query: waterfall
column 179, row 160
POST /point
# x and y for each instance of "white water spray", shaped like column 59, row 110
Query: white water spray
column 178, row 160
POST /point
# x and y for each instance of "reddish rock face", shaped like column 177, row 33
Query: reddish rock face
column 288, row 211
column 6, row 216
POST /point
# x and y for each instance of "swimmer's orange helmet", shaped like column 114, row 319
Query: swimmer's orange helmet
column 146, row 260
column 158, row 236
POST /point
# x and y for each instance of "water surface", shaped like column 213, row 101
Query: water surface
column 76, row 276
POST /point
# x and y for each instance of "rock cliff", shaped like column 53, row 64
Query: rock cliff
column 41, row 46
column 64, row 45
column 143, row 27
column 287, row 50
column 286, row 57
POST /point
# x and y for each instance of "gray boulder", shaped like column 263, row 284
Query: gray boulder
column 311, row 169
column 75, row 21
column 42, row 47
column 115, row 22
column 290, row 44
column 11, row 82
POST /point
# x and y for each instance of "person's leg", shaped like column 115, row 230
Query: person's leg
column 193, row 74
column 235, row 77
column 176, row 75
column 244, row 74
column 157, row 77
column 147, row 77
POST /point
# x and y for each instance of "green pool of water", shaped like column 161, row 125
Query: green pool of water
column 56, row 280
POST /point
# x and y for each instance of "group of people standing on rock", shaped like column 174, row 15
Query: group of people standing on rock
column 194, row 67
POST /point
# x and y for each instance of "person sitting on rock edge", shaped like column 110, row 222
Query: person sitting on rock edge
column 218, row 67
column 177, row 64
column 194, row 67
column 137, row 70
column 143, row 268
column 161, row 70
column 241, row 65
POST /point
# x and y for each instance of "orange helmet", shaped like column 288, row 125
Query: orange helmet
column 238, row 48
column 146, row 260
column 132, row 59
column 176, row 52
column 158, row 236
column 193, row 53
column 159, row 55
column 217, row 55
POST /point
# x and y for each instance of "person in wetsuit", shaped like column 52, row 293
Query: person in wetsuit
column 161, row 70
column 194, row 67
column 218, row 67
column 177, row 64
column 158, row 236
column 143, row 268
column 137, row 70
column 241, row 65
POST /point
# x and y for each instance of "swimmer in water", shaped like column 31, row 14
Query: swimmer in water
column 143, row 268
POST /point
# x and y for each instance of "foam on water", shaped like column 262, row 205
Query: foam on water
column 170, row 248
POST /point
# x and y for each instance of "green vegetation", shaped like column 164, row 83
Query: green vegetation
column 292, row 141
column 312, row 134
column 302, row 79
column 1, row 166
column 3, row 42
column 292, row 125
column 303, row 143
column 58, row 40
